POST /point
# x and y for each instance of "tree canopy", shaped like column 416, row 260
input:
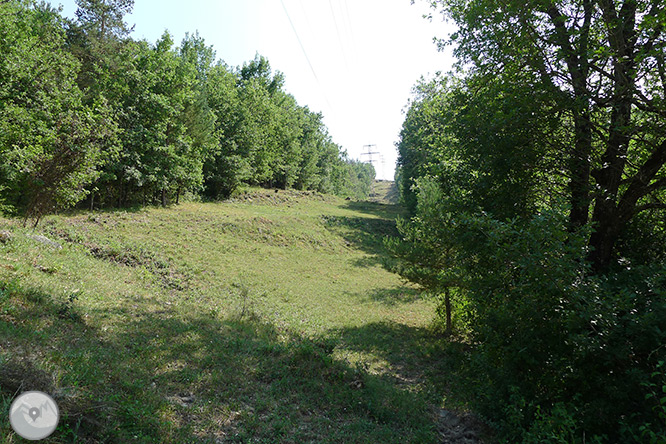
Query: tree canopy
column 88, row 113
column 535, row 179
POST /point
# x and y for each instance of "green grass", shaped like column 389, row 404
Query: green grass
column 268, row 318
column 384, row 191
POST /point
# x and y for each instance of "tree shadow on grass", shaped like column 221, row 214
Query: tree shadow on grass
column 101, row 213
column 158, row 375
column 365, row 234
column 375, row 209
column 397, row 295
column 417, row 356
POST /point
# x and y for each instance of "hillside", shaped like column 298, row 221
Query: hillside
column 384, row 191
column 266, row 318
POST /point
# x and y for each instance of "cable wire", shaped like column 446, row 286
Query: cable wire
column 305, row 54
column 347, row 18
column 337, row 31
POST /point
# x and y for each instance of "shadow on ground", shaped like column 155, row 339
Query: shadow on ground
column 427, row 363
column 398, row 295
column 157, row 375
column 417, row 356
column 366, row 234
column 375, row 209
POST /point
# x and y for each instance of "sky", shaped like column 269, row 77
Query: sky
column 355, row 61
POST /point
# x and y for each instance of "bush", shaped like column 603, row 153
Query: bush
column 560, row 352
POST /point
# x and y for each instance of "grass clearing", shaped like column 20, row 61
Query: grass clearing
column 268, row 318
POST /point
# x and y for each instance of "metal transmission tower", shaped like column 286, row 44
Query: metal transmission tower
column 370, row 153
column 383, row 162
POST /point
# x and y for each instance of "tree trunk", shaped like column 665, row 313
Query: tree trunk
column 612, row 222
column 602, row 240
column 607, row 220
column 575, row 58
column 447, row 307
column 579, row 168
column 164, row 197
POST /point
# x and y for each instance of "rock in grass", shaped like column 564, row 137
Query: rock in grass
column 46, row 241
column 183, row 399
column 5, row 236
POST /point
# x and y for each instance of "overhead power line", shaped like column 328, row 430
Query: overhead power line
column 307, row 18
column 337, row 31
column 347, row 17
column 305, row 53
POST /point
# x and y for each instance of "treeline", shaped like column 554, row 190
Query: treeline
column 536, row 183
column 90, row 116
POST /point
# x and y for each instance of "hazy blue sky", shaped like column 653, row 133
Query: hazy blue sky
column 366, row 54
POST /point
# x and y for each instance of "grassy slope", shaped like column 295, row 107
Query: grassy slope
column 264, row 319
column 384, row 191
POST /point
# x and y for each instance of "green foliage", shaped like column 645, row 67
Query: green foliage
column 598, row 63
column 267, row 139
column 423, row 136
column 348, row 177
column 226, row 169
column 655, row 433
column 545, row 170
column 50, row 140
column 425, row 253
column 484, row 140
column 549, row 332
column 162, row 154
column 104, row 18
column 87, row 111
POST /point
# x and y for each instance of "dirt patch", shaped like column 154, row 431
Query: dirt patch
column 140, row 257
column 130, row 256
column 460, row 428
column 17, row 376
column 277, row 197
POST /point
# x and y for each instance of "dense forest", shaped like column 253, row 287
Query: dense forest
column 535, row 179
column 90, row 116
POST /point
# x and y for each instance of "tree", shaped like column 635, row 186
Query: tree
column 198, row 117
column 227, row 168
column 169, row 121
column 312, row 140
column 99, row 40
column 426, row 254
column 50, row 141
column 421, row 142
column 604, row 62
column 104, row 19
column 548, row 155
column 166, row 136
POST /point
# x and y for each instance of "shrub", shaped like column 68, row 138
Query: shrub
column 560, row 351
